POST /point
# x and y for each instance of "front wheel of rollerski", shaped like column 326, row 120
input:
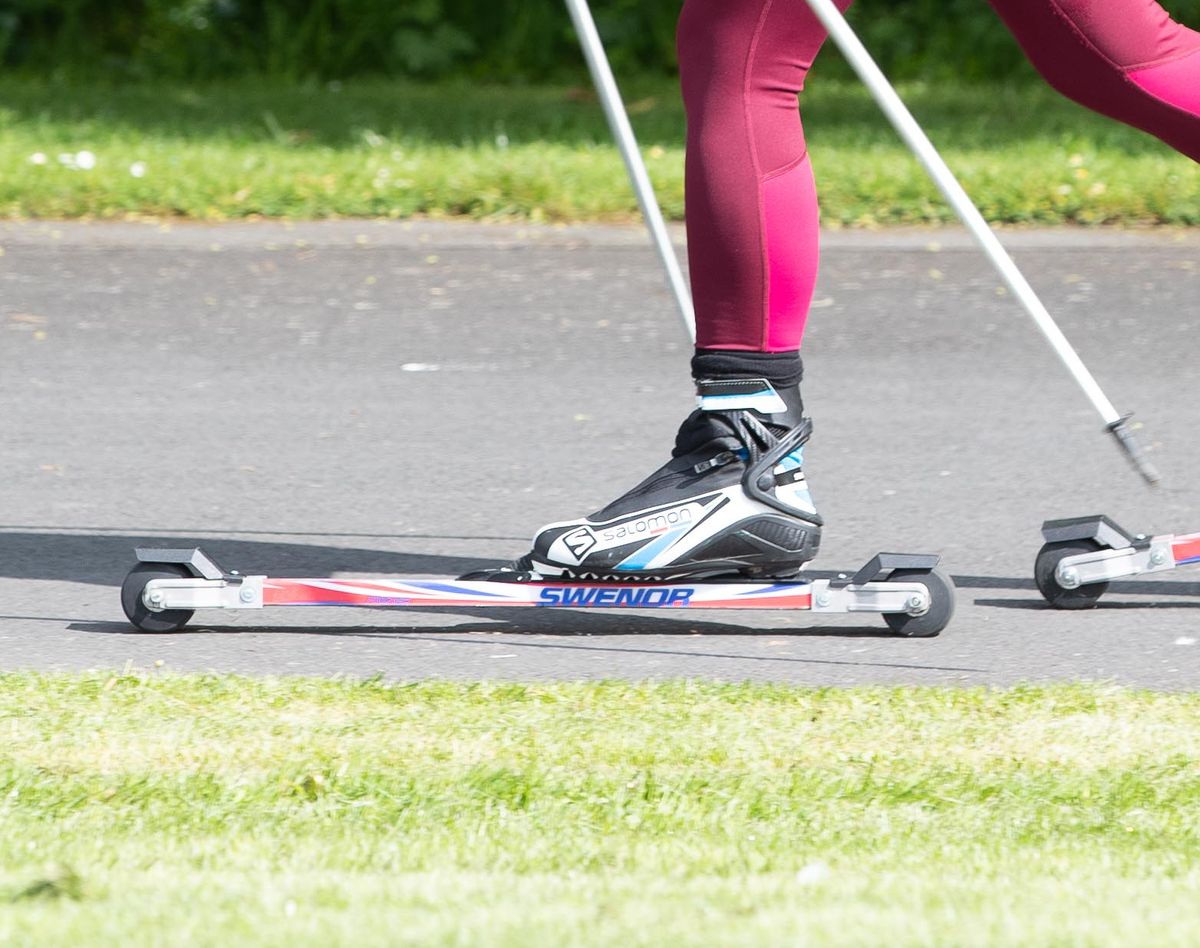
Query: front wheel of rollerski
column 144, row 618
column 940, row 589
column 1045, row 574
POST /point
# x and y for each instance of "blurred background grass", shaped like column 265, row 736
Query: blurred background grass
column 224, row 109
column 397, row 148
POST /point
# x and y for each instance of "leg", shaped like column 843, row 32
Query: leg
column 733, row 498
column 1123, row 58
column 751, row 203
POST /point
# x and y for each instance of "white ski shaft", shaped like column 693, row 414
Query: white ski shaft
column 618, row 120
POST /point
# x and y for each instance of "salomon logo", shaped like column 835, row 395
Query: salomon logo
column 652, row 598
column 650, row 526
column 579, row 542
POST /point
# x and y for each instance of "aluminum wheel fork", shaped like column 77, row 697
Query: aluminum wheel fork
column 1082, row 554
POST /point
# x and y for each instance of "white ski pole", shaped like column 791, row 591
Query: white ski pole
column 618, row 120
column 916, row 139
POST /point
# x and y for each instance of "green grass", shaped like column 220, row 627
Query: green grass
column 374, row 149
column 144, row 810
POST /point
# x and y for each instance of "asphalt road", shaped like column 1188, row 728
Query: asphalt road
column 368, row 399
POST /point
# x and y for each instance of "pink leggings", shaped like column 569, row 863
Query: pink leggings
column 751, row 202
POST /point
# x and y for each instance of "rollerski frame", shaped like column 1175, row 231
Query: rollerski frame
column 161, row 593
column 1082, row 554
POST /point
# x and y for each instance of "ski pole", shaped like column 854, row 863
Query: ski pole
column 916, row 139
column 618, row 120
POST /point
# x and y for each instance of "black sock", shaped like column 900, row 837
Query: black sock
column 781, row 369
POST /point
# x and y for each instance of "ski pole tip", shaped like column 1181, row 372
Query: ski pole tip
column 1133, row 449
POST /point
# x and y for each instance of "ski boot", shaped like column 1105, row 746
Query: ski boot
column 731, row 501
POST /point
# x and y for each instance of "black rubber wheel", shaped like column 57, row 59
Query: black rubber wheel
column 941, row 604
column 146, row 620
column 1046, row 566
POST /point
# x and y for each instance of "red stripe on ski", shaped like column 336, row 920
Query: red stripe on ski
column 1186, row 548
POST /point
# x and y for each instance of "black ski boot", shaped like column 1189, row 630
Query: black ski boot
column 731, row 501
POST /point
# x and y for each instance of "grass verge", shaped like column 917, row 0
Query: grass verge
column 374, row 149
column 208, row 810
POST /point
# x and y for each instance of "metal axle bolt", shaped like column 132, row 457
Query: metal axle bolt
column 916, row 601
column 155, row 598
column 1068, row 579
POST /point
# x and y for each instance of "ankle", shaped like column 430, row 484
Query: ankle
column 783, row 370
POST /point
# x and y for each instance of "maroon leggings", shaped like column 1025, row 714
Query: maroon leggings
column 751, row 203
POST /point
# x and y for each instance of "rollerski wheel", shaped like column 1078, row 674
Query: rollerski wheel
column 142, row 616
column 940, row 590
column 1082, row 554
column 1045, row 574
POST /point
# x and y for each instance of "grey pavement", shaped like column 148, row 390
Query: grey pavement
column 362, row 398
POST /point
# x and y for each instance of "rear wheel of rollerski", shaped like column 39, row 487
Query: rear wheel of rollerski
column 941, row 604
column 1045, row 574
column 144, row 618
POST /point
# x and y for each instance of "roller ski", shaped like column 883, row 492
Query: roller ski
column 1082, row 554
column 166, row 587
column 727, row 523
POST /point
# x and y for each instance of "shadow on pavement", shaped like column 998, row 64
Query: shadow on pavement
column 105, row 559
column 552, row 623
column 1040, row 605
